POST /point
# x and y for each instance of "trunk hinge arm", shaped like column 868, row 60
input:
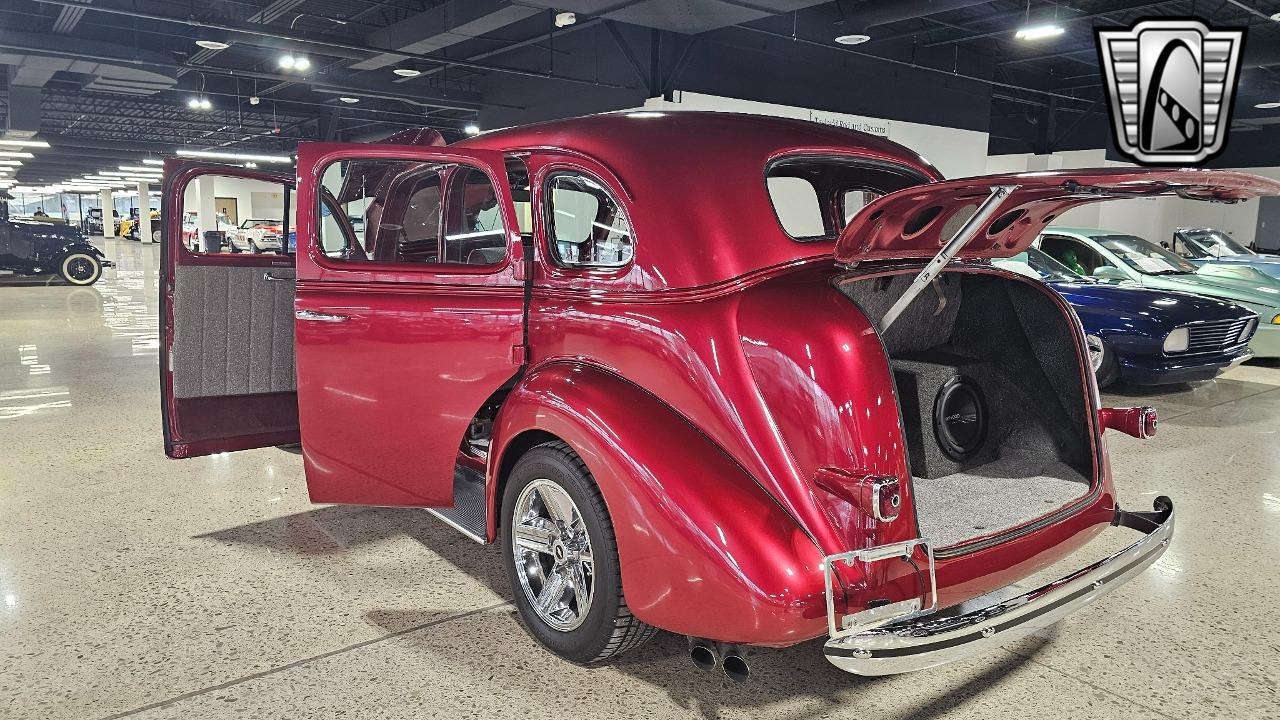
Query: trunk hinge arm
column 948, row 252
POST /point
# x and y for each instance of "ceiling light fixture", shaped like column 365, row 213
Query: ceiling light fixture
column 565, row 19
column 150, row 161
column 349, row 100
column 299, row 63
column 853, row 39
column 1276, row 17
column 24, row 143
column 1039, row 32
column 12, row 154
column 140, row 169
column 1267, row 105
column 240, row 157
column 407, row 72
column 212, row 45
column 254, row 100
column 471, row 129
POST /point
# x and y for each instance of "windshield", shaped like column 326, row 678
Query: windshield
column 260, row 224
column 1144, row 256
column 1043, row 265
column 1212, row 243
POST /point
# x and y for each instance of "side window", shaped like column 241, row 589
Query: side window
column 518, row 179
column 1073, row 253
column 228, row 214
column 586, row 226
column 796, row 202
column 404, row 211
column 854, row 200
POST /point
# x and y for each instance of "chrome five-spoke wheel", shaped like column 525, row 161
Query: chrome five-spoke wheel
column 561, row 555
column 552, row 552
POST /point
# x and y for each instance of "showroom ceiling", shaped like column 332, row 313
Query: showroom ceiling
column 116, row 80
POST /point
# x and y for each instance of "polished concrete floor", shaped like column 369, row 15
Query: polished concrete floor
column 136, row 586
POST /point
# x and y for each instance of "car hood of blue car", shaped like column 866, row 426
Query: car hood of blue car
column 1141, row 310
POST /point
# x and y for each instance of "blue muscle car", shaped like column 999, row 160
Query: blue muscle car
column 1147, row 337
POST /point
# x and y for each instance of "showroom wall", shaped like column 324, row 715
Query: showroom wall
column 255, row 199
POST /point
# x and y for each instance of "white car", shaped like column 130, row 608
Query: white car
column 257, row 236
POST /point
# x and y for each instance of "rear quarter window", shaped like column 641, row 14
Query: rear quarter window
column 814, row 197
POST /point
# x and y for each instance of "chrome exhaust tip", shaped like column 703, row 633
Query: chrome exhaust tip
column 703, row 656
column 736, row 668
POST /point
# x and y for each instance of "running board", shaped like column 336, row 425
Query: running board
column 467, row 515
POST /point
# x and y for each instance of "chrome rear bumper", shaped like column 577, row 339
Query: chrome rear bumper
column 931, row 641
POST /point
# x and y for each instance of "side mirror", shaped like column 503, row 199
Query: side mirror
column 1106, row 272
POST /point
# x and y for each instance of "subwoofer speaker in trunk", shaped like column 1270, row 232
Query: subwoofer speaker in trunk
column 946, row 413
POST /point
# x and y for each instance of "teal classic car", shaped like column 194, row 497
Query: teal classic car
column 1118, row 257
column 1208, row 246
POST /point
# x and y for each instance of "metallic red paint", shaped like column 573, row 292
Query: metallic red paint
column 730, row 403
column 915, row 222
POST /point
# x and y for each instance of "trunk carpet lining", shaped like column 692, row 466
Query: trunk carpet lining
column 1010, row 491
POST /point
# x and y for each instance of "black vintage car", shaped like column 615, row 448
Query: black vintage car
column 31, row 247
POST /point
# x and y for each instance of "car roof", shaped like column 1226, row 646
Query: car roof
column 1085, row 232
column 700, row 211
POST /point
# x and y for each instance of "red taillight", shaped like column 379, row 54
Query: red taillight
column 1139, row 422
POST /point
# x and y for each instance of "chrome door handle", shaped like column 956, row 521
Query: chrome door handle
column 275, row 278
column 319, row 316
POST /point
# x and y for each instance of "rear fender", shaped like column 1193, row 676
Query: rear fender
column 704, row 550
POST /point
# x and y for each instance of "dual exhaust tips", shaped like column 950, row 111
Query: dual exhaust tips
column 707, row 654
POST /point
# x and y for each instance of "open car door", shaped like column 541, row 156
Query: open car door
column 1009, row 211
column 227, row 378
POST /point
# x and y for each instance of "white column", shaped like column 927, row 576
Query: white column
column 208, row 209
column 108, row 217
column 144, row 212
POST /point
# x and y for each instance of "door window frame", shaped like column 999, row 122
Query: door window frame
column 542, row 166
column 315, row 158
column 178, row 174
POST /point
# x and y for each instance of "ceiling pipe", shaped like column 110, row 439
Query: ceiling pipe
column 913, row 66
column 864, row 18
column 190, row 22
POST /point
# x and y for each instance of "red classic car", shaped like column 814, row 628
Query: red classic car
column 749, row 380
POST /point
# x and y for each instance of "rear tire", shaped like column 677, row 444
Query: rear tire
column 571, row 606
column 80, row 268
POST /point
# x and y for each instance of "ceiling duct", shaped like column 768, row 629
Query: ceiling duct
column 689, row 17
column 33, row 68
column 441, row 27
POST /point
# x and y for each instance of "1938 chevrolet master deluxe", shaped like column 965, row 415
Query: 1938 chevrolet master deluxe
column 749, row 380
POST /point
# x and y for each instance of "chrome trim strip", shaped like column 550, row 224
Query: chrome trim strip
column 456, row 526
column 926, row 643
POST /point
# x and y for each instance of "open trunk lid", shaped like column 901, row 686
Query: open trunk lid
column 919, row 221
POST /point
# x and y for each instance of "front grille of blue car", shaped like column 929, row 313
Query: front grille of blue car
column 1217, row 335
